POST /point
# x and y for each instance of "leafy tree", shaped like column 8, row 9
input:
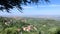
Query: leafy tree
column 10, row 4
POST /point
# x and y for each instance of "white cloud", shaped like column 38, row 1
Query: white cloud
column 52, row 5
column 28, row 7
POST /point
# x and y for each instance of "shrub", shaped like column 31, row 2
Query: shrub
column 11, row 30
column 54, row 30
column 58, row 31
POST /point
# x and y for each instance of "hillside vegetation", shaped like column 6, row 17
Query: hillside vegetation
column 29, row 26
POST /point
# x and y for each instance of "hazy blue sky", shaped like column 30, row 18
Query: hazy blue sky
column 53, row 8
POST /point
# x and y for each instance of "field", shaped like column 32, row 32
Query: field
column 38, row 26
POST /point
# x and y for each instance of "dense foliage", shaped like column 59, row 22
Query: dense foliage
column 32, row 25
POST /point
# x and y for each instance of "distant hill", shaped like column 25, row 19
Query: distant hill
column 57, row 17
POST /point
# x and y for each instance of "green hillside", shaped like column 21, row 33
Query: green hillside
column 29, row 26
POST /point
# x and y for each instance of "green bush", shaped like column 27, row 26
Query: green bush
column 58, row 31
column 11, row 30
column 54, row 30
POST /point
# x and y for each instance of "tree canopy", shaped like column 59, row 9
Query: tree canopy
column 10, row 4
